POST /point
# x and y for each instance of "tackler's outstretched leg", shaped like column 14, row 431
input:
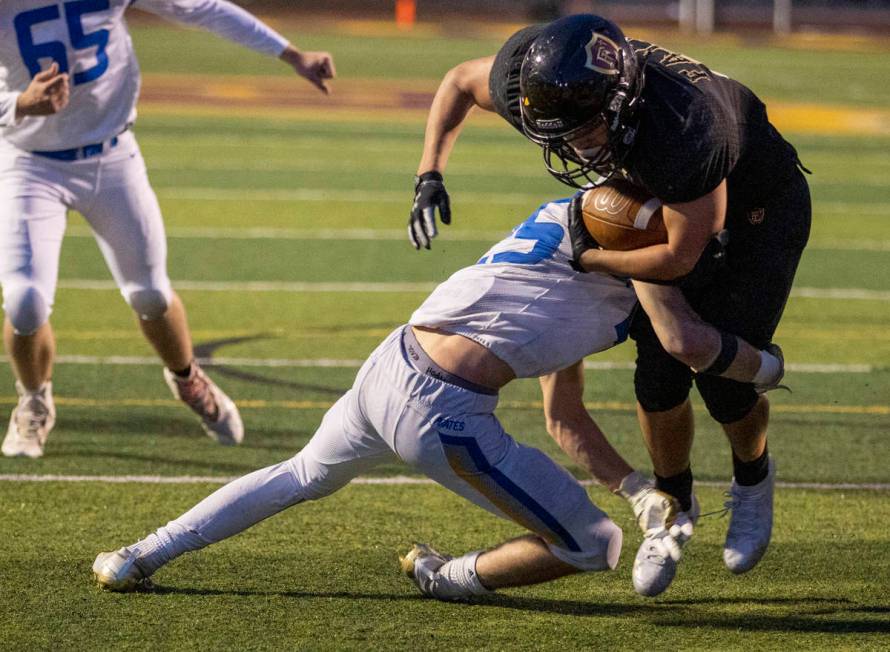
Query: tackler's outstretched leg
column 340, row 450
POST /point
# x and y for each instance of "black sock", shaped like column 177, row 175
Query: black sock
column 679, row 486
column 750, row 473
column 183, row 373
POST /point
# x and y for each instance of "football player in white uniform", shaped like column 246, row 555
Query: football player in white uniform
column 68, row 87
column 427, row 396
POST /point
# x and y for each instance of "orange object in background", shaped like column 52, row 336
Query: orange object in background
column 406, row 13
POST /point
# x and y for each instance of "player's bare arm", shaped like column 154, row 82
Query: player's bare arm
column 316, row 67
column 47, row 93
column 571, row 426
column 690, row 226
column 462, row 88
column 698, row 344
column 578, row 435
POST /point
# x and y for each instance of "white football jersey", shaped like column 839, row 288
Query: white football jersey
column 525, row 303
column 89, row 40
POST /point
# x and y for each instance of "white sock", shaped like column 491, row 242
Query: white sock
column 458, row 578
column 769, row 371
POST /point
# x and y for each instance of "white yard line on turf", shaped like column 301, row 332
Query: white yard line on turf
column 315, row 363
column 337, row 195
column 373, row 196
column 393, row 480
column 398, row 235
column 475, row 170
column 843, row 294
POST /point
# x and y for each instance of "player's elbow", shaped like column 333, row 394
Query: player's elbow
column 555, row 425
column 681, row 263
column 684, row 343
column 564, row 415
column 562, row 428
column 470, row 79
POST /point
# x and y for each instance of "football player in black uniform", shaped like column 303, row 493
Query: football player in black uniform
column 737, row 212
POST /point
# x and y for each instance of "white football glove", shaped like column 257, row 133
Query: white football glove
column 654, row 509
column 657, row 512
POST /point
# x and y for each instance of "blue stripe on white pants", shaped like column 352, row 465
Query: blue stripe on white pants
column 467, row 460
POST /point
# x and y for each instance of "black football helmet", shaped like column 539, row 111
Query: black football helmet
column 580, row 72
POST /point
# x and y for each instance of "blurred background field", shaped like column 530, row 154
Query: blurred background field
column 286, row 217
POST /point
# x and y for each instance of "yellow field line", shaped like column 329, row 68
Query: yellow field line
column 359, row 99
column 618, row 406
column 277, row 333
column 801, row 118
column 602, row 406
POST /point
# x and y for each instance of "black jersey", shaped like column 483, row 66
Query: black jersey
column 696, row 127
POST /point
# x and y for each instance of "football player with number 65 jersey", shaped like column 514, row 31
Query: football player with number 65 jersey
column 69, row 81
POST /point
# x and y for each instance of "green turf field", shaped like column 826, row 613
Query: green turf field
column 287, row 242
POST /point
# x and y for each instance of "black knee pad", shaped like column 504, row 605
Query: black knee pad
column 727, row 400
column 661, row 382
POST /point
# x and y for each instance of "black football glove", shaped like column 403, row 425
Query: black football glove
column 578, row 233
column 429, row 194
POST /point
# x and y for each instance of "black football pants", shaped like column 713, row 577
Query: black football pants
column 745, row 296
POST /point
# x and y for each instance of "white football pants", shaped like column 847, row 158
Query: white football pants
column 111, row 191
column 446, row 432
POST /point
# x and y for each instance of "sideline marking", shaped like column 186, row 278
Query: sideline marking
column 331, row 363
column 363, row 480
column 399, row 287
column 603, row 406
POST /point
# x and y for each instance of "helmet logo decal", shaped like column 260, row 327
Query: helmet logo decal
column 603, row 55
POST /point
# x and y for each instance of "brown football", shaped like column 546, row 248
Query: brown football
column 621, row 216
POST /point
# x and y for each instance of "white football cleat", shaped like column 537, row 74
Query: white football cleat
column 421, row 564
column 751, row 523
column 656, row 562
column 31, row 420
column 219, row 414
column 117, row 571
